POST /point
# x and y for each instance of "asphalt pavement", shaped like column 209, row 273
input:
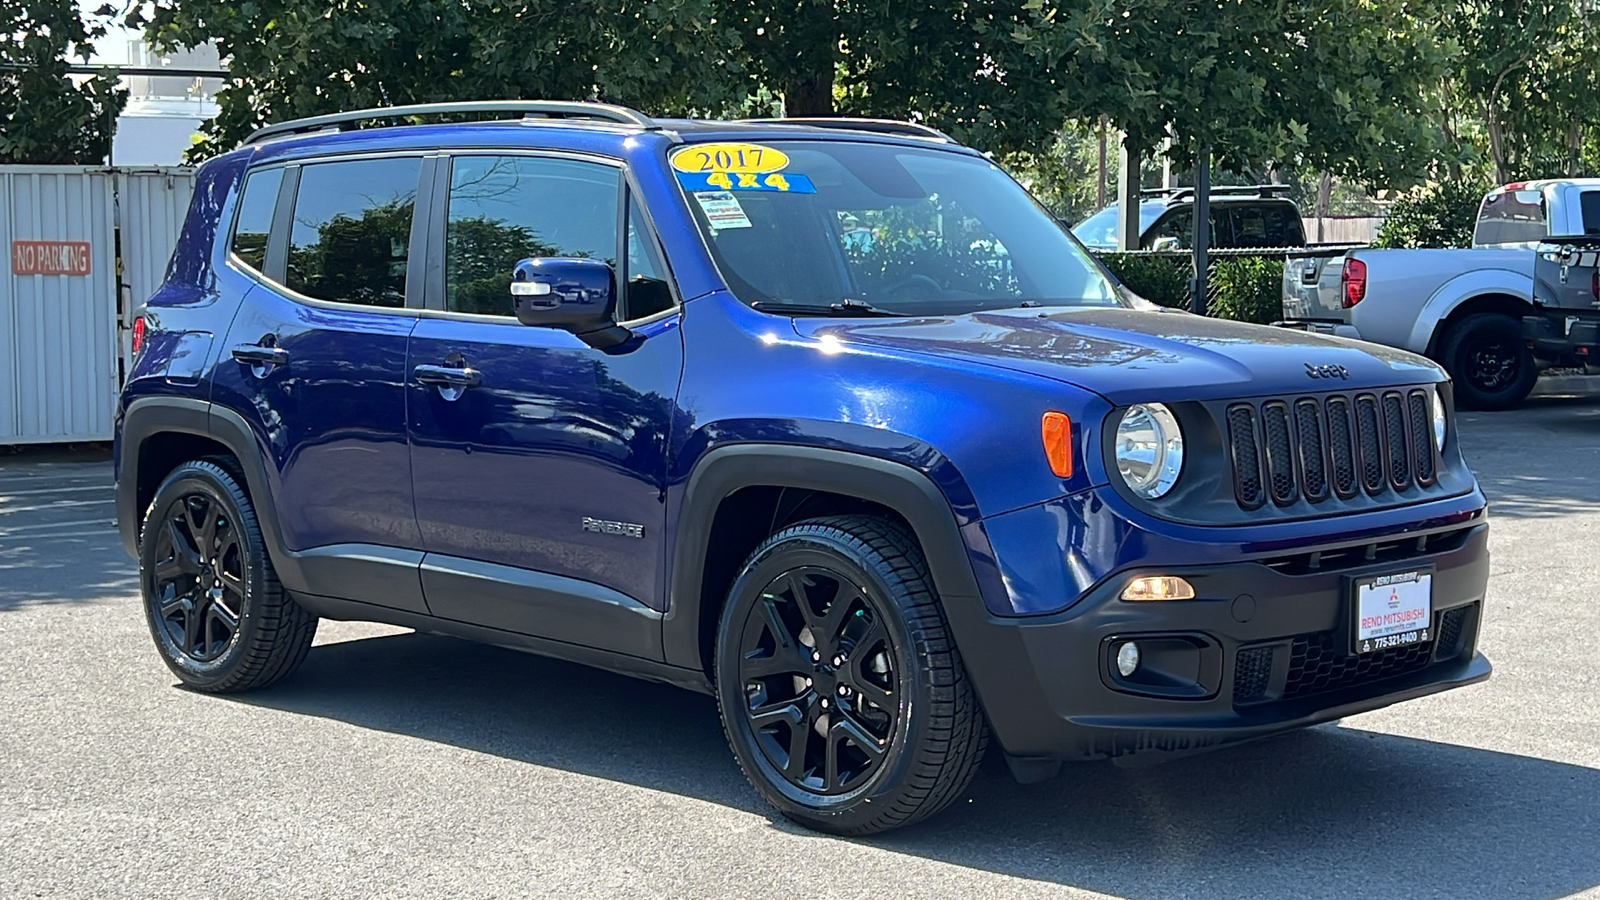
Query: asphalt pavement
column 402, row 765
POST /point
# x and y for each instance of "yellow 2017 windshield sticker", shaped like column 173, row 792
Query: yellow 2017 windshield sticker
column 728, row 166
column 748, row 159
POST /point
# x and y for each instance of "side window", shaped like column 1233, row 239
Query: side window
column 1589, row 205
column 504, row 209
column 1175, row 232
column 647, row 291
column 352, row 230
column 254, row 224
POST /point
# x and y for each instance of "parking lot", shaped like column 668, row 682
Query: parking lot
column 397, row 764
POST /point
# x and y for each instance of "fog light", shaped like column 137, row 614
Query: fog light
column 1158, row 587
column 1128, row 659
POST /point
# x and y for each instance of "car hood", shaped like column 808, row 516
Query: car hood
column 1131, row 356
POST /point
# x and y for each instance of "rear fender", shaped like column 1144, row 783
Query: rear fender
column 1459, row 290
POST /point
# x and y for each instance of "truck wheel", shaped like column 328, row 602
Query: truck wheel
column 1491, row 365
column 211, row 597
column 841, row 691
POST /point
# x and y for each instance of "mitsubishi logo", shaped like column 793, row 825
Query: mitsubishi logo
column 1327, row 371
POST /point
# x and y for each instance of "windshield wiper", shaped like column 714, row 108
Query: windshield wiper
column 847, row 307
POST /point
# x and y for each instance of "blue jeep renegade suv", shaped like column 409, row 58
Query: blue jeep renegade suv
column 826, row 418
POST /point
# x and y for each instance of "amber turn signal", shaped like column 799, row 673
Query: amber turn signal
column 1158, row 587
column 1056, row 429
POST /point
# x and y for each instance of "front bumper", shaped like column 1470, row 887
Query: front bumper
column 1270, row 638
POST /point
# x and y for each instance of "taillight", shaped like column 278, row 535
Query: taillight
column 1354, row 281
column 138, row 334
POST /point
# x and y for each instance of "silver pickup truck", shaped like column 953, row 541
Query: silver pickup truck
column 1463, row 308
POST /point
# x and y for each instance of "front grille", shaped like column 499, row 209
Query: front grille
column 1332, row 447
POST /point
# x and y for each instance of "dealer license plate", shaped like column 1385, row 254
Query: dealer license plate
column 1393, row 611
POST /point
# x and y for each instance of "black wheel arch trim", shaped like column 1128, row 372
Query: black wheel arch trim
column 147, row 417
column 989, row 646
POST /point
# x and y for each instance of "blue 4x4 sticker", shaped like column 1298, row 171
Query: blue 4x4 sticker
column 746, row 181
column 731, row 166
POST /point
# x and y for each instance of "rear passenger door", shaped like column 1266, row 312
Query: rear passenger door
column 540, row 486
column 318, row 365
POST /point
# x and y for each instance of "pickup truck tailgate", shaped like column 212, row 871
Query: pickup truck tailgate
column 1311, row 286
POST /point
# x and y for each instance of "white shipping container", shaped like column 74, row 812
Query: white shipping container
column 61, row 297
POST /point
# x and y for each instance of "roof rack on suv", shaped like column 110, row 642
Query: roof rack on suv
column 1187, row 193
column 876, row 126
column 564, row 109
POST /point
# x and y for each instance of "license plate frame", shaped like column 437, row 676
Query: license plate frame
column 1401, row 619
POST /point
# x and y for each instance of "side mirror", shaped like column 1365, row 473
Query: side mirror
column 1166, row 243
column 575, row 295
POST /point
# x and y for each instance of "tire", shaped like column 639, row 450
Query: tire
column 841, row 691
column 242, row 630
column 1492, row 366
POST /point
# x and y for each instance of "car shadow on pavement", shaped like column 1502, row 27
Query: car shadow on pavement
column 1538, row 461
column 1331, row 811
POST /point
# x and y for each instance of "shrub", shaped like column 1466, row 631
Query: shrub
column 1437, row 215
column 1247, row 289
column 1157, row 279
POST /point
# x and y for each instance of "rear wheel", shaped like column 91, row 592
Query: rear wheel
column 219, row 617
column 841, row 691
column 1491, row 364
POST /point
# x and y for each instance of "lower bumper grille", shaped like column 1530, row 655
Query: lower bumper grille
column 1316, row 663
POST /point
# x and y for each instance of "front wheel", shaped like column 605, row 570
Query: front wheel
column 841, row 691
column 1490, row 362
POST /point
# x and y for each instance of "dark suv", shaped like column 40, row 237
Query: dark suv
column 1241, row 218
column 828, row 419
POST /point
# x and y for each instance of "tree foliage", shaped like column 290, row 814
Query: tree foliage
column 292, row 58
column 45, row 118
column 1439, row 215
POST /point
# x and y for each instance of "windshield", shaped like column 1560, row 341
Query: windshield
column 858, row 228
column 1100, row 229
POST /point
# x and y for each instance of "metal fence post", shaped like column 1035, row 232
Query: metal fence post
column 1200, row 284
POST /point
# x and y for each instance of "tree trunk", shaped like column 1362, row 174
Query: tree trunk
column 810, row 95
column 1574, row 147
column 1324, row 201
column 1497, row 143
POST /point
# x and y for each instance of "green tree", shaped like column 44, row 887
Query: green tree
column 45, row 118
column 1337, row 85
column 292, row 58
column 1441, row 214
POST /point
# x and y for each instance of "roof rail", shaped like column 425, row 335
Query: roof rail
column 876, row 126
column 561, row 109
column 1187, row 193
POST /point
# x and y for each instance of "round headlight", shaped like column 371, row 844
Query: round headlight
column 1149, row 449
column 1438, row 420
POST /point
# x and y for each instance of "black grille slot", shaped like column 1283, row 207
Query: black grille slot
column 1308, row 429
column 1370, row 441
column 1280, row 459
column 1318, row 664
column 1450, row 625
column 1394, row 432
column 1421, row 436
column 1389, row 551
column 1252, row 671
column 1246, row 458
column 1341, row 450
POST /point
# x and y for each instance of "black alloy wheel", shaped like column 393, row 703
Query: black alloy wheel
column 841, row 690
column 219, row 617
column 198, row 582
column 1491, row 364
column 819, row 680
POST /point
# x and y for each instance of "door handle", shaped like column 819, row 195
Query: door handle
column 448, row 376
column 261, row 355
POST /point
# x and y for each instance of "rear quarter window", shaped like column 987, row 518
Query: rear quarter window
column 253, row 225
